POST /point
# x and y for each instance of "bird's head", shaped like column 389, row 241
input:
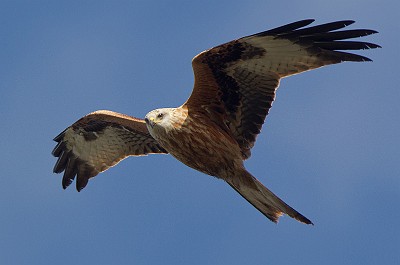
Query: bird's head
column 158, row 119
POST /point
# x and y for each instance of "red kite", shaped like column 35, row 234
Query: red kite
column 215, row 129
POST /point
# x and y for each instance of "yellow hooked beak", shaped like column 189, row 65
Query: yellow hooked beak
column 150, row 121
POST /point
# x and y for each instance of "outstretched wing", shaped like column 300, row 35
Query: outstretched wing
column 236, row 82
column 98, row 141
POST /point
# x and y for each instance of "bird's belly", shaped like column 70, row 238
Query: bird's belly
column 209, row 150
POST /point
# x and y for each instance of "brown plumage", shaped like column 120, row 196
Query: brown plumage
column 215, row 129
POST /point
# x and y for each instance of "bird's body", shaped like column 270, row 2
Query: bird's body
column 215, row 152
column 214, row 130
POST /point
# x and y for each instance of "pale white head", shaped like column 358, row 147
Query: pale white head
column 159, row 120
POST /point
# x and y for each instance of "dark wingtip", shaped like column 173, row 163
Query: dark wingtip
column 71, row 165
column 70, row 172
column 299, row 217
column 81, row 183
column 305, row 220
column 61, row 162
column 85, row 172
column 369, row 45
column 65, row 184
column 371, row 31
column 287, row 28
column 304, row 22
column 60, row 136
column 347, row 22
column 58, row 149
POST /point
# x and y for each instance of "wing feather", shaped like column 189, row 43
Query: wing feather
column 99, row 141
column 236, row 82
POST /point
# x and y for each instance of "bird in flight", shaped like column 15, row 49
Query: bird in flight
column 214, row 130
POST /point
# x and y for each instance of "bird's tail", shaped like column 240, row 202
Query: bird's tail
column 262, row 198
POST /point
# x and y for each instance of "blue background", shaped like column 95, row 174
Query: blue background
column 330, row 146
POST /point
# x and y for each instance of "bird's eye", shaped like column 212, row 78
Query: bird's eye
column 160, row 115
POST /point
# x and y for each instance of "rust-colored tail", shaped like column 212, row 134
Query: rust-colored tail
column 262, row 198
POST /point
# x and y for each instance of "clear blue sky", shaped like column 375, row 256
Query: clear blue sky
column 330, row 146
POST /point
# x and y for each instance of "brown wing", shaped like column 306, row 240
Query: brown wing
column 98, row 141
column 235, row 83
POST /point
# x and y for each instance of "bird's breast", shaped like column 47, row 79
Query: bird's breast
column 201, row 145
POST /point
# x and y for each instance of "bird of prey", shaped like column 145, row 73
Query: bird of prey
column 214, row 130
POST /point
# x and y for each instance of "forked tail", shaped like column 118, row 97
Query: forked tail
column 262, row 198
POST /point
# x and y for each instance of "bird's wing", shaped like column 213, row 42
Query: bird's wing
column 235, row 83
column 98, row 141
